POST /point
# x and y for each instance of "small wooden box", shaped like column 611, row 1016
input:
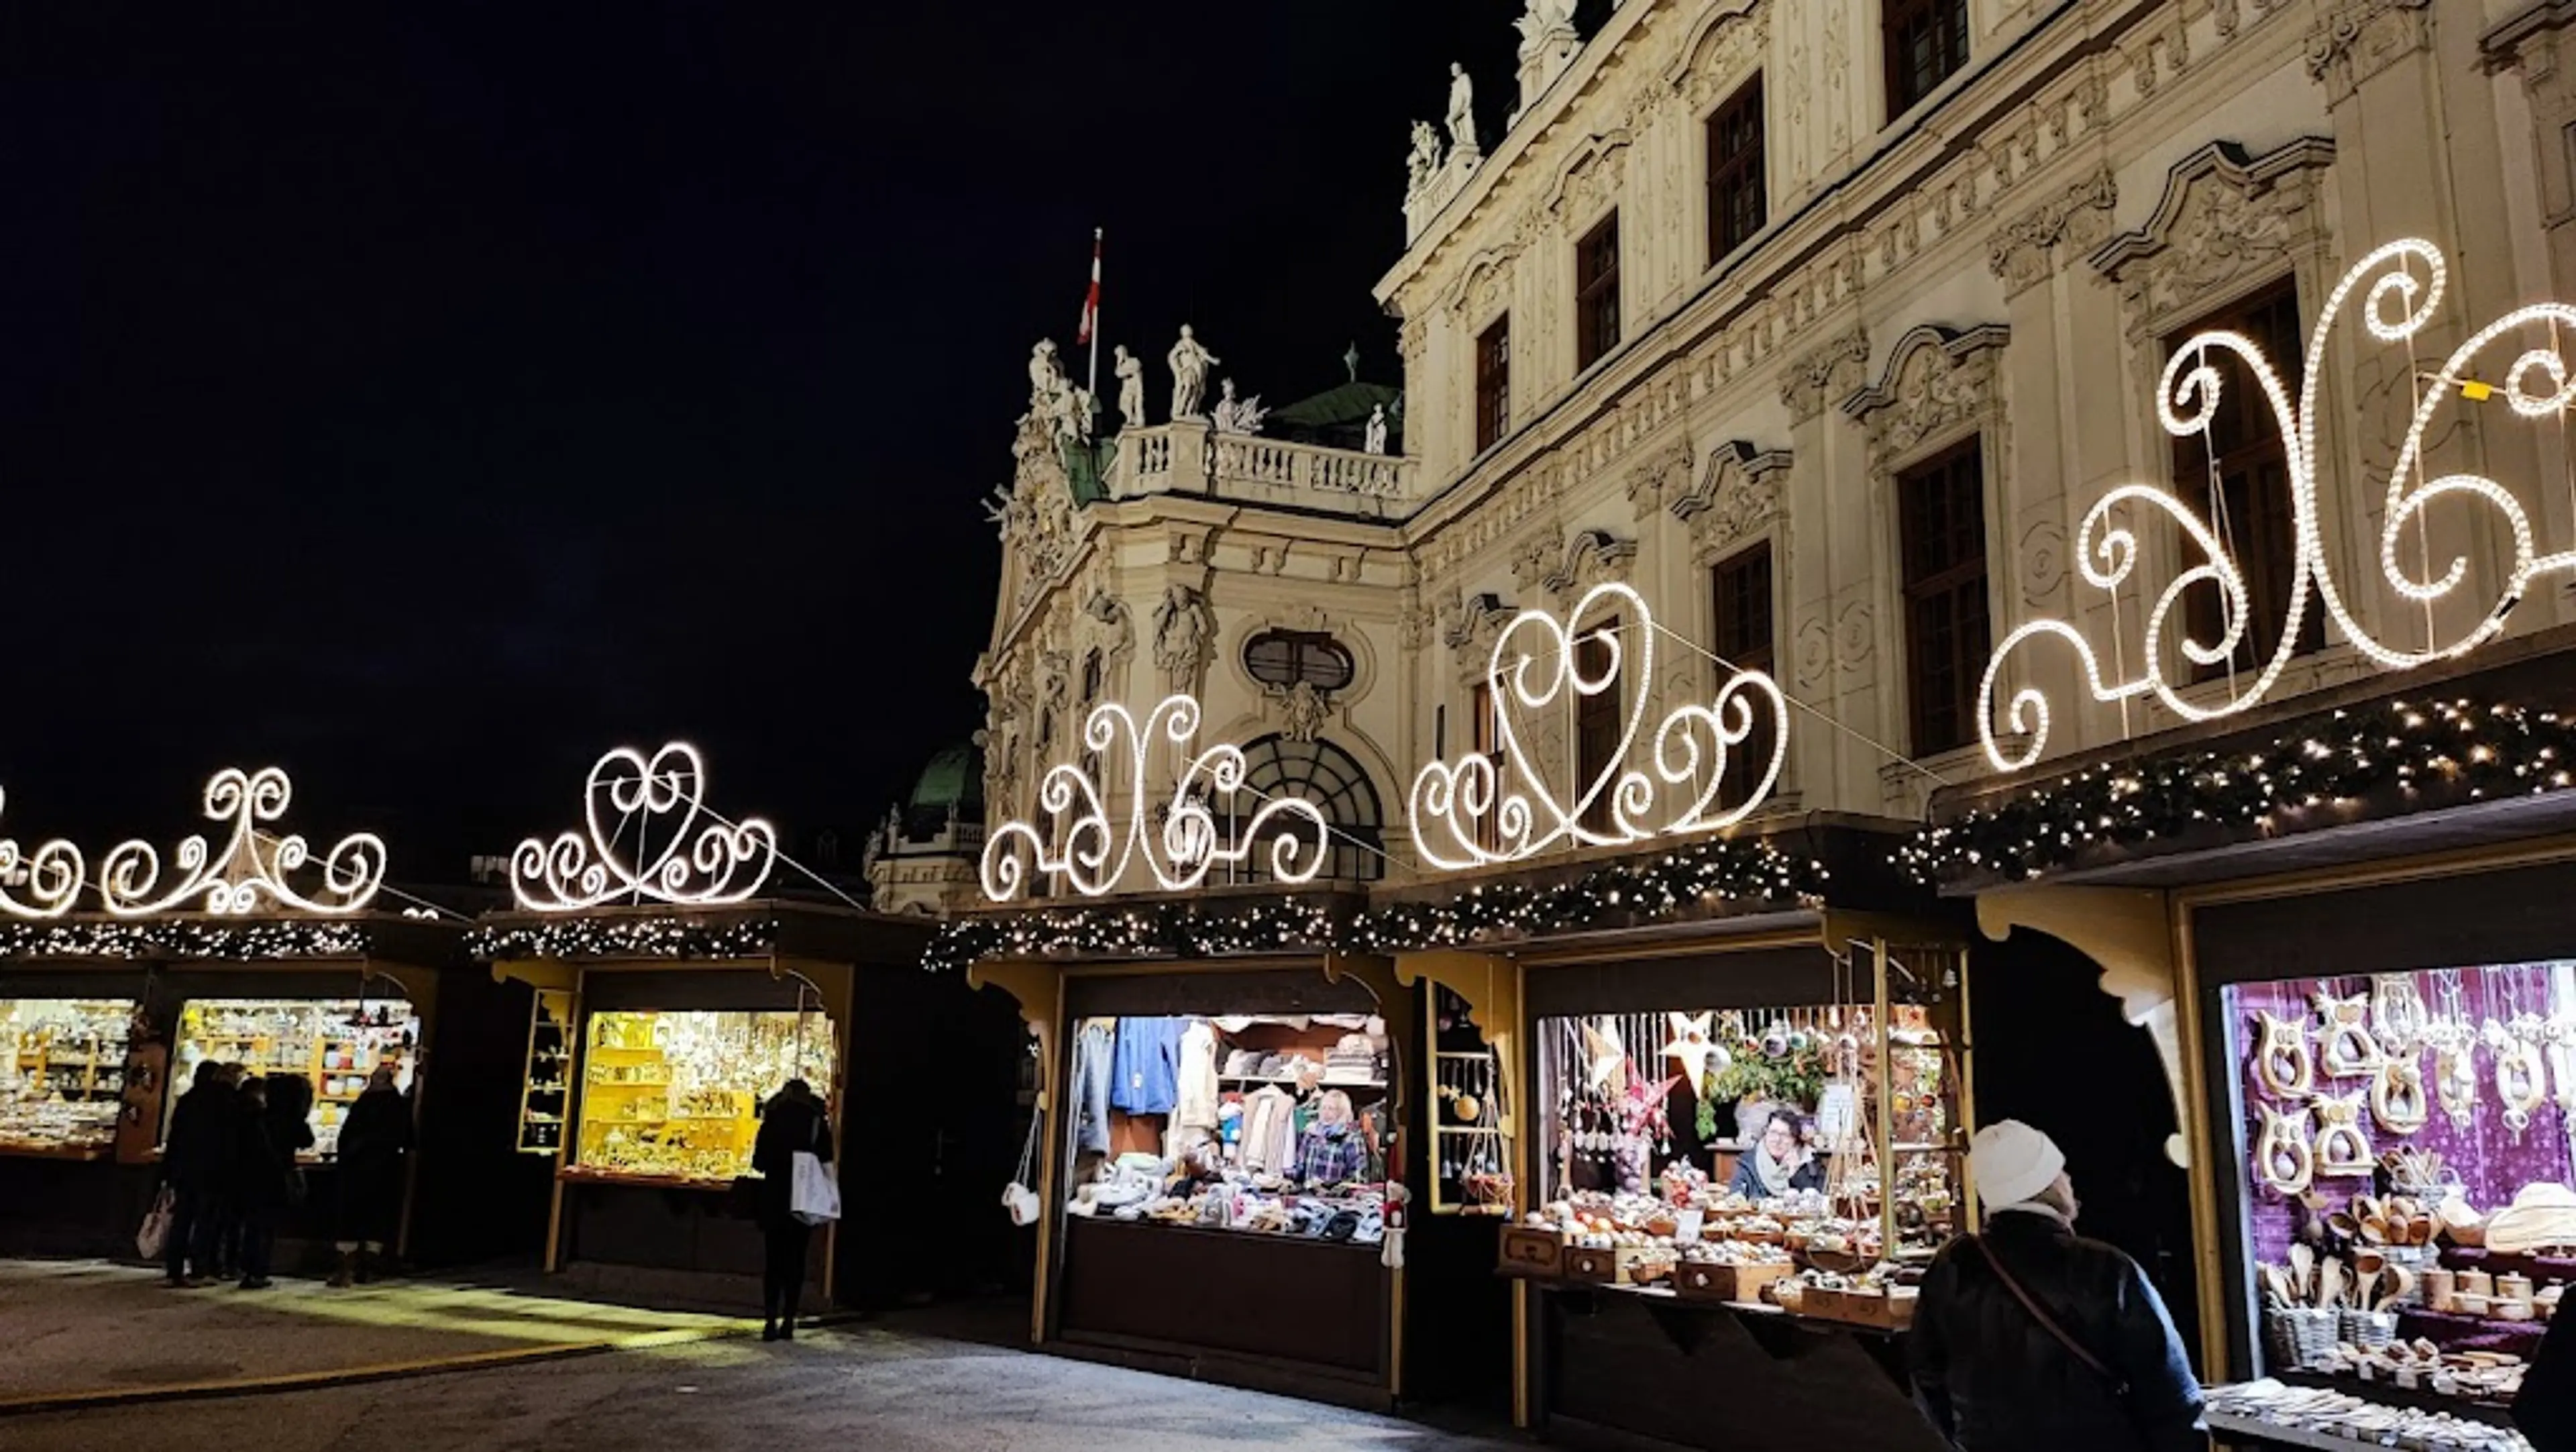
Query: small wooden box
column 1531, row 1252
column 1823, row 1304
column 1603, row 1267
column 1702, row 1282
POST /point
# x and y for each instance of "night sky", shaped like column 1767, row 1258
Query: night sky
column 426, row 402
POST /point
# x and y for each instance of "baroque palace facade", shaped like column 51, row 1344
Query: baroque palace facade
column 1821, row 326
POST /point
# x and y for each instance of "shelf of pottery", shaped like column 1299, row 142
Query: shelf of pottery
column 1269, row 1124
column 62, row 1074
column 1795, row 1223
column 2406, row 1140
column 676, row 1095
column 335, row 1043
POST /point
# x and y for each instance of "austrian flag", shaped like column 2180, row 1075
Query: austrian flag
column 1091, row 299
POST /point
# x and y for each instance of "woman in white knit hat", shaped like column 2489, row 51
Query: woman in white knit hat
column 2030, row 1338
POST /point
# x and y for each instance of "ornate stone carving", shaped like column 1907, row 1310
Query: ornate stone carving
column 2027, row 251
column 1592, row 557
column 1828, row 372
column 1935, row 380
column 1112, row 630
column 1468, row 623
column 1302, row 710
column 1181, row 633
column 1035, row 510
column 1593, row 179
column 1485, row 287
column 1738, row 493
column 2360, row 38
column 1815, row 650
column 2225, row 218
column 1730, row 43
column 2043, row 560
column 1663, row 479
column 1853, row 637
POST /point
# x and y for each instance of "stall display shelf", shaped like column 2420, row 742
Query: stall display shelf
column 312, row 1039
column 62, row 1076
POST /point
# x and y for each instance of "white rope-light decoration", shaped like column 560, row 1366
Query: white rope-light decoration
column 1092, row 853
column 2398, row 305
column 252, row 865
column 1452, row 802
column 647, row 836
column 39, row 884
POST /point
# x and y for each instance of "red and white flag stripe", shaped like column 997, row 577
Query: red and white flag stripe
column 1091, row 299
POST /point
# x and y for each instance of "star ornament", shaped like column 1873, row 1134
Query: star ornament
column 1604, row 1055
column 1694, row 1045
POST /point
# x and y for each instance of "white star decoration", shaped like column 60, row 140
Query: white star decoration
column 1694, row 1045
column 1604, row 1053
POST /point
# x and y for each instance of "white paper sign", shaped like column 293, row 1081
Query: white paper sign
column 1838, row 1115
column 1686, row 1224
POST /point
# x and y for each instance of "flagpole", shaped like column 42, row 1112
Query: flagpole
column 1094, row 385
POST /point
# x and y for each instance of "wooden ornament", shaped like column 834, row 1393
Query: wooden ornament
column 2281, row 1059
column 2284, row 1159
column 2343, row 1027
column 2342, row 1151
column 2397, row 1097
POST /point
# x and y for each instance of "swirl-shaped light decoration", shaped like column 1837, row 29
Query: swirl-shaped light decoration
column 1695, row 746
column 252, row 865
column 643, row 840
column 2398, row 304
column 50, row 878
column 1092, row 852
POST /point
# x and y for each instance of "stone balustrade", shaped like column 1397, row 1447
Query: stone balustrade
column 1191, row 458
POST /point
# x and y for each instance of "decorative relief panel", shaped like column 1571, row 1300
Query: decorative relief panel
column 1829, row 372
column 1729, row 47
column 1936, row 380
column 2358, row 39
column 2226, row 218
column 1737, row 494
column 2027, row 250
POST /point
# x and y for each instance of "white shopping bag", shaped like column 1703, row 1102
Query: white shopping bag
column 815, row 1196
column 154, row 1237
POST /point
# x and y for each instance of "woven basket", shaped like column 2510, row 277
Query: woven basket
column 2369, row 1330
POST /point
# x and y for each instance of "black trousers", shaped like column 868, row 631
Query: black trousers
column 783, row 1269
column 192, row 1233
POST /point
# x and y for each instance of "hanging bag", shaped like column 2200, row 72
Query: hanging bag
column 1019, row 1197
column 2116, row 1383
column 154, row 1237
column 814, row 1195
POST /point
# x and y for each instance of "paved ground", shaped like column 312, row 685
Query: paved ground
column 895, row 1386
column 81, row 1326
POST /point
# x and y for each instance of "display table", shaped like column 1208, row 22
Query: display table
column 1321, row 1308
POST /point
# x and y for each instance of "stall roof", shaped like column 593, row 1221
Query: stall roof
column 2534, row 674
column 760, row 929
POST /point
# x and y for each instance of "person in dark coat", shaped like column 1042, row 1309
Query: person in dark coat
column 794, row 1122
column 196, row 1161
column 375, row 1141
column 1776, row 1165
column 2545, row 1413
column 262, row 1172
column 1994, row 1375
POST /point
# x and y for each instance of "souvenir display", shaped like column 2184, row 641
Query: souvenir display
column 62, row 1074
column 676, row 1095
column 1801, row 1157
column 2427, row 1272
column 1266, row 1124
column 336, row 1043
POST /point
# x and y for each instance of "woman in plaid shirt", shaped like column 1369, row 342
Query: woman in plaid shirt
column 1333, row 1152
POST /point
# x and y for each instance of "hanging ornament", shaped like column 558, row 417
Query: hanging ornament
column 2521, row 1077
column 2397, row 1098
column 2397, row 1013
column 2285, row 1161
column 2342, row 1150
column 1604, row 1055
column 1694, row 1046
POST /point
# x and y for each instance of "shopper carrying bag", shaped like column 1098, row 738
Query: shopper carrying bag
column 796, row 1191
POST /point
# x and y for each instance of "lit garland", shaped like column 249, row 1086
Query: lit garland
column 623, row 938
column 1700, row 875
column 232, row 942
column 2454, row 751
column 661, row 797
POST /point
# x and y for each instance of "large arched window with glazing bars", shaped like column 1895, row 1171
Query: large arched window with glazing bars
column 1331, row 778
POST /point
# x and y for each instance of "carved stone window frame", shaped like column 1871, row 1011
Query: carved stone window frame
column 1727, row 52
column 1940, row 388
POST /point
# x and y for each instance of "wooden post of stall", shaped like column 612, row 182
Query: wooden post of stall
column 1886, row 1116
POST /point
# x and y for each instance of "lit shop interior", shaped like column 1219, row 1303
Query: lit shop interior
column 1217, row 1176
column 334, row 1044
column 654, row 1041
column 1743, row 1156
column 2396, row 1212
column 62, row 1075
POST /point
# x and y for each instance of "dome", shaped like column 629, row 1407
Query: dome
column 953, row 778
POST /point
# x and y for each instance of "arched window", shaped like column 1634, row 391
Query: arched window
column 1282, row 658
column 1331, row 778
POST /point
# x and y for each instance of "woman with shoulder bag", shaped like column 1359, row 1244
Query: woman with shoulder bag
column 793, row 1124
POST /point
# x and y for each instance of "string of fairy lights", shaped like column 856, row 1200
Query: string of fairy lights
column 1717, row 875
column 2311, row 775
column 181, row 938
column 656, row 937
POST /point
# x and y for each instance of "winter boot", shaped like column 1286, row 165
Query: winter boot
column 348, row 1273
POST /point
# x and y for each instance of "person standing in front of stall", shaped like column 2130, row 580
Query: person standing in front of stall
column 2545, row 1413
column 793, row 1124
column 262, row 1172
column 194, row 1162
column 2030, row 1338
column 375, row 1141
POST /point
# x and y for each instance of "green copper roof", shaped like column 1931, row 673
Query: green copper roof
column 1348, row 404
column 954, row 778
